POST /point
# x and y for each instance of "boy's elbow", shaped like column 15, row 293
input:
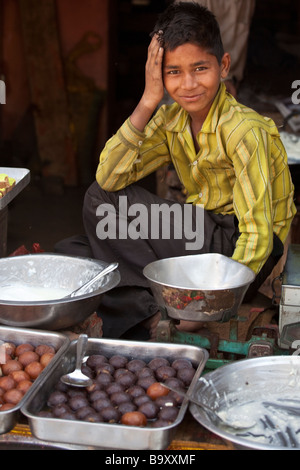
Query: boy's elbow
column 107, row 184
column 102, row 181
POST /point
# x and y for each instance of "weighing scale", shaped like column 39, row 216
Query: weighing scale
column 272, row 339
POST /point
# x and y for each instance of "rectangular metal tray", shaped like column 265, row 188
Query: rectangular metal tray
column 105, row 435
column 22, row 177
column 9, row 418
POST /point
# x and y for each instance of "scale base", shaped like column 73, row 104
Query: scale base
column 263, row 342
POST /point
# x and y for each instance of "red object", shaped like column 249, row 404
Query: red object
column 22, row 250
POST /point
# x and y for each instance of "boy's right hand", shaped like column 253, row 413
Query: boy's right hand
column 154, row 87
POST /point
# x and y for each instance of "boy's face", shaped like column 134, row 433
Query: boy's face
column 192, row 77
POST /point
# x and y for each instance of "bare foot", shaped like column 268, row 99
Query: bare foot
column 92, row 326
column 190, row 326
column 184, row 325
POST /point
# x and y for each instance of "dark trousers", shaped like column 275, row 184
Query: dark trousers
column 131, row 302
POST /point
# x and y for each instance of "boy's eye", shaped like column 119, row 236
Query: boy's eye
column 172, row 72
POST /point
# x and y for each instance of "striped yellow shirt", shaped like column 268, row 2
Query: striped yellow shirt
column 241, row 168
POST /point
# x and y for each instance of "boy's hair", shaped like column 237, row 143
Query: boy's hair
column 184, row 22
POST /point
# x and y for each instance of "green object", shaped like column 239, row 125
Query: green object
column 221, row 351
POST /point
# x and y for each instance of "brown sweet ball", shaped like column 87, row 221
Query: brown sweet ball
column 186, row 375
column 118, row 361
column 11, row 366
column 182, row 363
column 134, row 418
column 24, row 385
column 43, row 349
column 158, row 362
column 46, row 358
column 156, row 390
column 13, row 396
column 34, row 369
column 7, row 382
column 27, row 357
column 19, row 375
column 7, row 406
column 21, row 348
column 165, row 372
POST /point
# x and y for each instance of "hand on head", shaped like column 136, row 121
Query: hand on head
column 154, row 87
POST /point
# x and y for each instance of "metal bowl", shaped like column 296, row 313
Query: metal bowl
column 207, row 287
column 249, row 386
column 52, row 271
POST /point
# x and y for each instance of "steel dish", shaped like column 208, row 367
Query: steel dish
column 53, row 271
column 104, row 435
column 9, row 418
column 206, row 287
column 257, row 380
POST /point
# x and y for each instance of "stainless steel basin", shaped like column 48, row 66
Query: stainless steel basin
column 52, row 271
column 206, row 287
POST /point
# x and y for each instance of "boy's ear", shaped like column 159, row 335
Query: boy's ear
column 225, row 65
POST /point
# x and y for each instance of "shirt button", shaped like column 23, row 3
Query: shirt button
column 195, row 162
column 200, row 194
column 140, row 142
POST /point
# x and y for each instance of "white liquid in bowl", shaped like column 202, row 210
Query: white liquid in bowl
column 24, row 293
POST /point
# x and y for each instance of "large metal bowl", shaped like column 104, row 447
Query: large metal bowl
column 249, row 386
column 52, row 271
column 207, row 287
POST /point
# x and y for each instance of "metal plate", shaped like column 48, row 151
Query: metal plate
column 103, row 435
column 245, row 380
column 60, row 342
column 22, row 177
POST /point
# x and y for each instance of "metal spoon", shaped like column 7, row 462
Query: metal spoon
column 77, row 378
column 213, row 413
column 108, row 269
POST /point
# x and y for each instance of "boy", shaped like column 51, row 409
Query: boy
column 230, row 160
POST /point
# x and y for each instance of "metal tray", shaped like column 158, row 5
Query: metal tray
column 22, row 177
column 104, row 435
column 9, row 418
